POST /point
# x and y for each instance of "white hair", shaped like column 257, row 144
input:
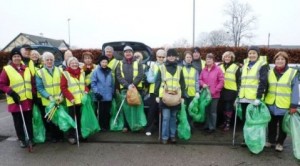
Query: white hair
column 161, row 52
column 108, row 48
column 47, row 55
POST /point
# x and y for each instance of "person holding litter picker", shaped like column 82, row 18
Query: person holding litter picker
column 17, row 82
column 73, row 88
column 102, row 85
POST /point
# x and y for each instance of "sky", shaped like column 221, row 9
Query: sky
column 154, row 22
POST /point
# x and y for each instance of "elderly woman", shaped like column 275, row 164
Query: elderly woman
column 68, row 54
column 232, row 76
column 212, row 78
column 281, row 81
column 73, row 88
column 254, row 80
column 17, row 82
column 48, row 85
column 170, row 76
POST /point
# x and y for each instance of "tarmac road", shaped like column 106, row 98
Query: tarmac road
column 114, row 148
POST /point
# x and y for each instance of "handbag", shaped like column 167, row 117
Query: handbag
column 171, row 97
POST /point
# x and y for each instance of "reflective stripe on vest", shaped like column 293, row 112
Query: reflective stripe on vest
column 155, row 69
column 75, row 86
column 21, row 85
column 51, row 83
column 189, row 79
column 279, row 91
column 135, row 72
column 172, row 82
column 250, row 80
column 229, row 75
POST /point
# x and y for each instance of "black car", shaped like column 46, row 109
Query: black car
column 136, row 46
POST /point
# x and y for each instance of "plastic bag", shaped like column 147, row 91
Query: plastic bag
column 39, row 132
column 133, row 97
column 60, row 118
column 134, row 115
column 184, row 129
column 197, row 114
column 257, row 119
column 119, row 124
column 291, row 125
column 89, row 122
column 150, row 75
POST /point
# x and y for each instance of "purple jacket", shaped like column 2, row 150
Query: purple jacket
column 214, row 79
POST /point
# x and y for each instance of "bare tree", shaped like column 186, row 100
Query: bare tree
column 241, row 21
column 219, row 38
column 182, row 42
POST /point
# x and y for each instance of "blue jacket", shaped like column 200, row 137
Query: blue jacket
column 102, row 82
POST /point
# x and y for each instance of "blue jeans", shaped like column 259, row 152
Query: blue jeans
column 169, row 123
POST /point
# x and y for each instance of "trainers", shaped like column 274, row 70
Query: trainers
column 148, row 133
column 279, row 148
column 23, row 144
column 125, row 130
column 173, row 140
column 72, row 141
column 268, row 145
column 243, row 144
column 164, row 141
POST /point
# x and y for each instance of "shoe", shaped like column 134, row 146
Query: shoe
column 148, row 133
column 72, row 141
column 227, row 127
column 243, row 144
column 173, row 140
column 269, row 145
column 279, row 148
column 125, row 130
column 164, row 142
column 23, row 144
column 210, row 131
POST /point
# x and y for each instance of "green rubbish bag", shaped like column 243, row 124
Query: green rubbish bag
column 119, row 124
column 39, row 131
column 89, row 123
column 257, row 119
column 194, row 111
column 61, row 118
column 291, row 125
column 134, row 115
column 183, row 129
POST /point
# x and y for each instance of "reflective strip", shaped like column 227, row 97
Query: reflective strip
column 280, row 94
column 77, row 92
column 249, row 77
column 17, row 85
column 230, row 79
column 51, row 85
column 249, row 86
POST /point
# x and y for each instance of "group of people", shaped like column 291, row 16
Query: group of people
column 31, row 78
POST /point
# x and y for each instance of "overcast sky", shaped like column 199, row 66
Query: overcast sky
column 154, row 22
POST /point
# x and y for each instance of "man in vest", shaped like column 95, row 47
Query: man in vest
column 197, row 63
column 129, row 73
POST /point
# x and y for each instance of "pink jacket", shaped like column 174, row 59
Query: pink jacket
column 214, row 79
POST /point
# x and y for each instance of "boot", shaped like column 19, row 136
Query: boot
column 227, row 124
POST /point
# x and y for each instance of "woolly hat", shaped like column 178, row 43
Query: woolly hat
column 103, row 57
column 14, row 51
column 26, row 46
column 171, row 52
column 196, row 49
column 255, row 48
column 127, row 48
column 71, row 59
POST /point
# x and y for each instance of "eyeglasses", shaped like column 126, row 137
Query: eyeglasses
column 160, row 57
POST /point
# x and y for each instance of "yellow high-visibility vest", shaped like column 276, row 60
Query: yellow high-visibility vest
column 279, row 91
column 202, row 64
column 229, row 75
column 51, row 83
column 250, row 80
column 113, row 65
column 189, row 79
column 88, row 77
column 155, row 69
column 33, row 69
column 22, row 86
column 76, row 87
column 135, row 72
column 172, row 82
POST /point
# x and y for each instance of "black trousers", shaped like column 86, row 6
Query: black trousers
column 273, row 131
column 104, row 114
column 152, row 113
column 72, row 111
column 19, row 127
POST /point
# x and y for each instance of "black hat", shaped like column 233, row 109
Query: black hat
column 103, row 57
column 255, row 48
column 196, row 49
column 172, row 51
column 14, row 51
column 26, row 46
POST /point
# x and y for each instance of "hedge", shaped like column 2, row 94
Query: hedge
column 240, row 53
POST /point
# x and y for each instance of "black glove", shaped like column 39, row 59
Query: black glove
column 98, row 96
column 15, row 96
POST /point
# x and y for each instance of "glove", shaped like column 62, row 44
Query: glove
column 15, row 96
column 130, row 86
column 197, row 95
column 256, row 102
column 293, row 110
column 59, row 99
column 73, row 101
column 98, row 96
column 205, row 86
column 51, row 98
column 157, row 99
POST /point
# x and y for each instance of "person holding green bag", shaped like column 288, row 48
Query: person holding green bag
column 281, row 81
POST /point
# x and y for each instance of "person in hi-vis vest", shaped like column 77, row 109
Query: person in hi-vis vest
column 254, row 79
column 73, row 88
column 48, row 85
column 18, row 84
column 232, row 75
column 281, row 81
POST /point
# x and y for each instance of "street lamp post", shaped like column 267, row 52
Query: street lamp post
column 193, row 23
column 69, row 32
